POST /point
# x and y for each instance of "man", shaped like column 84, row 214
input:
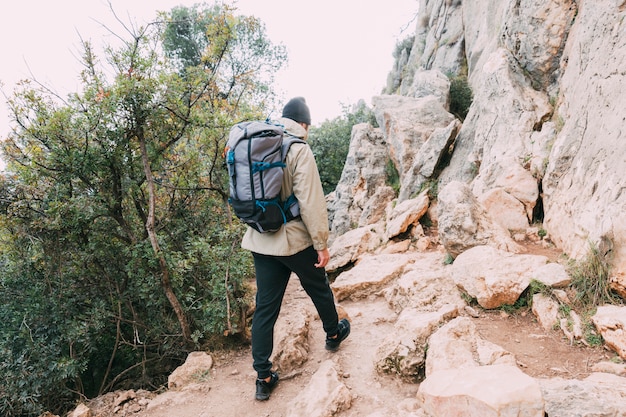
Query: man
column 299, row 246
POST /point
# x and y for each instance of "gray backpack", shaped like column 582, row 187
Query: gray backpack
column 255, row 156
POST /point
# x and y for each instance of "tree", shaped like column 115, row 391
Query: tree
column 331, row 140
column 119, row 252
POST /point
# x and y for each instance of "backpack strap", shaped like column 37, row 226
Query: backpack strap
column 291, row 209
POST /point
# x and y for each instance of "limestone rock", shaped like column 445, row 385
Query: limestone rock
column 610, row 321
column 325, row 396
column 546, row 310
column 463, row 222
column 583, row 186
column 597, row 395
column 406, row 214
column 618, row 284
column 362, row 194
column 610, row 368
column 403, row 352
column 506, row 174
column 407, row 124
column 483, row 391
column 291, row 340
column 439, row 45
column 81, row 411
column 553, row 275
column 369, row 275
column 348, row 247
column 457, row 344
column 505, row 209
column 495, row 277
column 195, row 367
column 425, row 285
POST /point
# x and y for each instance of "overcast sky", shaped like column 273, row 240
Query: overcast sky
column 340, row 51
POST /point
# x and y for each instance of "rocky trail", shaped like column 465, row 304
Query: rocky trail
column 227, row 389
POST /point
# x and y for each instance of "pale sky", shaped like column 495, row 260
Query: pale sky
column 340, row 51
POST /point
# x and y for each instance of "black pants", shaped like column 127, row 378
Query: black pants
column 272, row 276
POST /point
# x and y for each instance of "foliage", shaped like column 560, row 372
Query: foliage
column 403, row 46
column 392, row 176
column 461, row 96
column 331, row 140
column 590, row 280
column 111, row 191
column 432, row 185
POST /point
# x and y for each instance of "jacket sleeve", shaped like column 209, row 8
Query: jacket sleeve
column 307, row 188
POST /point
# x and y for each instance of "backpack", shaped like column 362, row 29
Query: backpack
column 255, row 156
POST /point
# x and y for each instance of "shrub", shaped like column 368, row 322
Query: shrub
column 460, row 96
column 590, row 280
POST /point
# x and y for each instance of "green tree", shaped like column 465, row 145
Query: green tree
column 119, row 253
column 331, row 140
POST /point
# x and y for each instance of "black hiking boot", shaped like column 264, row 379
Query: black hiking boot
column 264, row 389
column 343, row 330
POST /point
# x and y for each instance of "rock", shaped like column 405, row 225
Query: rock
column 495, row 277
column 518, row 183
column 597, row 395
column 457, row 344
column 610, row 368
column 610, row 321
column 348, row 247
column 325, row 395
column 425, row 285
column 406, row 214
column 124, row 396
column 546, row 310
column 583, row 186
column 483, row 391
column 362, row 194
column 618, row 284
column 464, row 223
column 81, row 411
column 196, row 366
column 403, row 352
column 553, row 275
column 370, row 275
column 396, row 247
column 291, row 340
column 408, row 123
column 505, row 209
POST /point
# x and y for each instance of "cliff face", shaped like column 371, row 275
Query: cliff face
column 546, row 125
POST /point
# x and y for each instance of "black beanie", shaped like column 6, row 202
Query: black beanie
column 297, row 110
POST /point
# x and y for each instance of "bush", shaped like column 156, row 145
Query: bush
column 460, row 96
column 590, row 280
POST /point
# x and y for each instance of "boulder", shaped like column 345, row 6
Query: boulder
column 483, row 391
column 196, row 367
column 324, row 396
column 464, row 223
column 495, row 277
column 370, row 275
column 610, row 321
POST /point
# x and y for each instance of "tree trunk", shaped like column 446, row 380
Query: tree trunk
column 165, row 275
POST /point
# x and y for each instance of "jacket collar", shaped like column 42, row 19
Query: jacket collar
column 293, row 128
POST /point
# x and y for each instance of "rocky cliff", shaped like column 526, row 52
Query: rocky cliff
column 542, row 141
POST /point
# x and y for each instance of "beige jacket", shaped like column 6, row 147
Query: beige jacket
column 303, row 179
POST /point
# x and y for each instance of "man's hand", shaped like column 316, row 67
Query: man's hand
column 322, row 258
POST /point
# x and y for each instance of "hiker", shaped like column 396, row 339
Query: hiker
column 299, row 246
